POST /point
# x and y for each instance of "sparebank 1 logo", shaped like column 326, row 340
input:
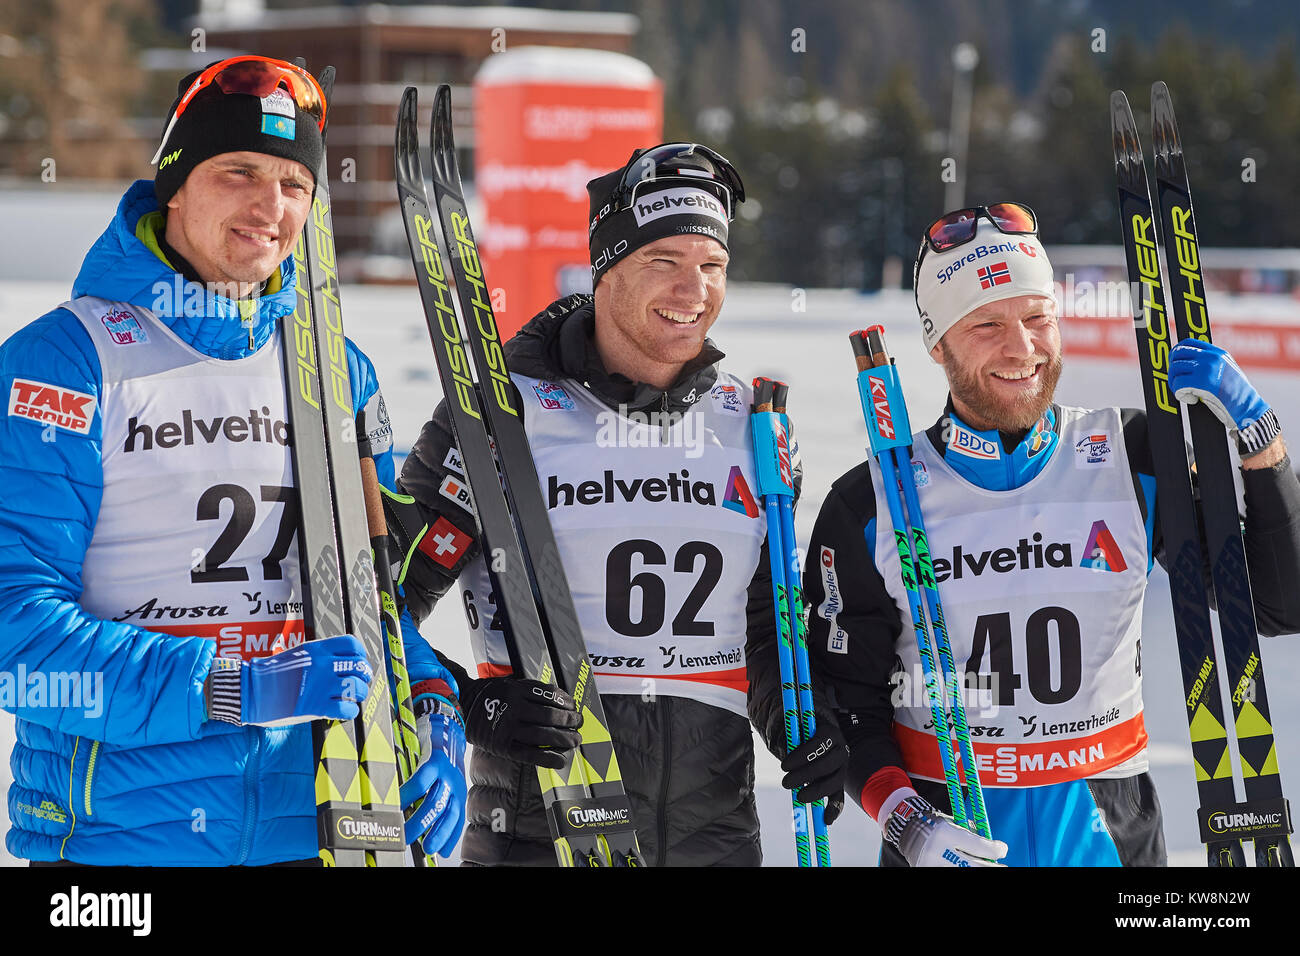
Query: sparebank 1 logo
column 738, row 496
column 1101, row 553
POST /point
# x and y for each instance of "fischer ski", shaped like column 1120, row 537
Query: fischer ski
column 1256, row 749
column 1176, row 511
column 358, row 809
column 587, row 809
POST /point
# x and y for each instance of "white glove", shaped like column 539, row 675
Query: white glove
column 927, row 837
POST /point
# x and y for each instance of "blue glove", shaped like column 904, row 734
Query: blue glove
column 1203, row 372
column 326, row 679
column 434, row 797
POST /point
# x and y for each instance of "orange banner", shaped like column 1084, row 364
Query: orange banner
column 1029, row 764
column 538, row 139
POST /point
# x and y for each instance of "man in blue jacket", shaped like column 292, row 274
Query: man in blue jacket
column 151, row 604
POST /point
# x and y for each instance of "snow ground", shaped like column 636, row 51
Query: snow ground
column 763, row 335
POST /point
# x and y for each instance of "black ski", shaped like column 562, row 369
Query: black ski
column 358, row 810
column 587, row 808
column 1175, row 505
column 1214, row 472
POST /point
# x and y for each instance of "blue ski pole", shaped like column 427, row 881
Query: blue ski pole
column 802, row 668
column 888, row 432
column 773, row 474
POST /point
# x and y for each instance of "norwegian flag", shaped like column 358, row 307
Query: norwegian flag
column 995, row 274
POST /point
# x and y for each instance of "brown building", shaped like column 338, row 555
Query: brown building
column 378, row 51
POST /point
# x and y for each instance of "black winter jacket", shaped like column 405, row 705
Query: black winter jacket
column 688, row 767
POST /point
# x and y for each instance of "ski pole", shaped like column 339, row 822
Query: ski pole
column 953, row 683
column 888, row 432
column 775, row 481
column 794, row 608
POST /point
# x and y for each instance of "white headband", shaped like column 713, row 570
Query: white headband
column 992, row 266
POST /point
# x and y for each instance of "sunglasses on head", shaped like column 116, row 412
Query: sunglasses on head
column 254, row 76
column 960, row 226
column 687, row 162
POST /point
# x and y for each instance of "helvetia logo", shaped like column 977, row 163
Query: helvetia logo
column 738, row 497
column 677, row 486
column 1027, row 554
column 680, row 201
column 141, row 436
column 1101, row 552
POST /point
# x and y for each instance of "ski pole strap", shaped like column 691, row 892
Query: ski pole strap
column 880, row 392
column 773, row 470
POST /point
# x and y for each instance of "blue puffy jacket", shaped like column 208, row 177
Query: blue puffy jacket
column 143, row 778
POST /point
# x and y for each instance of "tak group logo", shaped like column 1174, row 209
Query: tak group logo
column 997, row 273
column 52, row 405
column 738, row 497
column 553, row 396
column 123, row 327
column 1102, row 553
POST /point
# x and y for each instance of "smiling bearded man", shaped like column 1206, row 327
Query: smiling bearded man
column 1040, row 518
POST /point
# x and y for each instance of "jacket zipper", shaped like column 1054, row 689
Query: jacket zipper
column 250, row 792
column 661, row 810
column 663, row 421
column 90, row 774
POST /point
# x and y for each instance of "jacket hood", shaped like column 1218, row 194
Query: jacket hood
column 557, row 343
column 125, row 265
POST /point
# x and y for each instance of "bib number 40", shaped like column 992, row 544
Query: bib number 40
column 1044, row 643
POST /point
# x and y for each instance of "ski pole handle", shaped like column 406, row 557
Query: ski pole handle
column 880, row 391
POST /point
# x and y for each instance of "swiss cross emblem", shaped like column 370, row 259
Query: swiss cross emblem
column 444, row 543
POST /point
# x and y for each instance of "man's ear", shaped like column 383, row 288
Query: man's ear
column 936, row 354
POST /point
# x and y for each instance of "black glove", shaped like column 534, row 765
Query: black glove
column 816, row 768
column 521, row 719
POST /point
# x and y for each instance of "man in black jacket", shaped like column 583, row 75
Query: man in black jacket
column 1041, row 519
column 643, row 451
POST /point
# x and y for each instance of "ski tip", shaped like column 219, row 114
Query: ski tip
column 442, row 141
column 1128, row 149
column 1164, row 128
column 406, row 155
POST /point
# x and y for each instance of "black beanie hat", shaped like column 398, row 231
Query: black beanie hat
column 666, row 207
column 215, row 122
